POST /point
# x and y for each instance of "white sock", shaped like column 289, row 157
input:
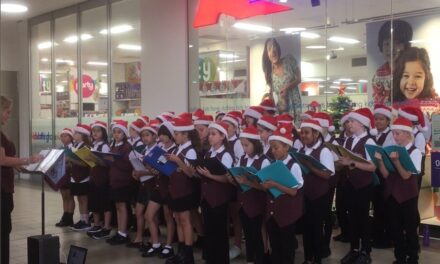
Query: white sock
column 85, row 218
column 122, row 234
column 156, row 245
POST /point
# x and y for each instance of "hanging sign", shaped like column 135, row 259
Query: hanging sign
column 88, row 86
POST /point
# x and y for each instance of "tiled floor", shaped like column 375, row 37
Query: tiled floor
column 27, row 222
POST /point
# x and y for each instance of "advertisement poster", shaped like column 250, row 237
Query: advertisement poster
column 415, row 69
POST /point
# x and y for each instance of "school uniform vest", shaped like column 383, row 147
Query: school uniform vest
column 253, row 200
column 285, row 209
column 359, row 178
column 232, row 148
column 315, row 186
column 213, row 192
column 80, row 173
column 120, row 172
column 162, row 181
column 180, row 185
column 382, row 138
column 402, row 190
column 269, row 155
column 341, row 175
column 99, row 174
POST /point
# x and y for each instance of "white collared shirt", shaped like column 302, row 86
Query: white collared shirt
column 118, row 144
column 356, row 139
column 227, row 159
column 327, row 137
column 419, row 141
column 251, row 160
column 297, row 145
column 325, row 157
column 416, row 157
column 190, row 155
column 238, row 148
column 389, row 140
column 266, row 147
column 134, row 140
column 105, row 147
column 296, row 171
column 162, row 146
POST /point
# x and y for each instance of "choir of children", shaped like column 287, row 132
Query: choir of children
column 204, row 195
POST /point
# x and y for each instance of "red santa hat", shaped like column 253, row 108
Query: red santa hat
column 185, row 115
column 166, row 116
column 383, row 110
column 67, row 131
column 83, row 129
column 156, row 123
column 284, row 134
column 121, row 124
column 220, row 126
column 254, row 112
column 182, row 124
column 169, row 126
column 145, row 120
column 250, row 132
column 150, row 129
column 238, row 115
column 99, row 124
column 312, row 123
column 365, row 117
column 415, row 115
column 268, row 105
column 137, row 125
column 204, row 120
column 285, row 119
column 231, row 119
column 401, row 123
column 197, row 114
column 219, row 113
column 324, row 120
column 314, row 104
column 269, row 122
column 307, row 115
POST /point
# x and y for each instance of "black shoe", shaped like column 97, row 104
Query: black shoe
column 179, row 258
column 65, row 221
column 152, row 252
column 81, row 226
column 134, row 244
column 94, row 230
column 104, row 233
column 199, row 242
column 342, row 238
column 145, row 247
column 363, row 258
column 167, row 252
column 351, row 257
column 381, row 244
column 118, row 240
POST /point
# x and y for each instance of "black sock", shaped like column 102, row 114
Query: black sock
column 180, row 247
column 189, row 254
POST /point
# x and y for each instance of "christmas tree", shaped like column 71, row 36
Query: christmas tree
column 338, row 107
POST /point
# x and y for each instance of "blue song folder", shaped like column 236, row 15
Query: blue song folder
column 156, row 158
column 248, row 172
column 277, row 172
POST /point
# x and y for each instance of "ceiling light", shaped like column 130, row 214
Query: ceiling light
column 292, row 30
column 344, row 40
column 252, row 27
column 45, row 45
column 13, row 8
column 232, row 61
column 351, row 88
column 103, row 75
column 129, row 47
column 117, row 29
column 336, row 82
column 190, row 46
column 339, row 49
column 310, row 35
column 345, row 80
column 74, row 38
column 97, row 63
column 316, row 47
column 327, row 92
column 363, row 81
column 44, row 59
column 70, row 62
column 334, row 87
column 228, row 56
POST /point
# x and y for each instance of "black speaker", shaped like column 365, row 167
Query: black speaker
column 43, row 249
column 316, row 2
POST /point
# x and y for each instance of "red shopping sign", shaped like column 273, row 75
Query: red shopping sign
column 209, row 11
column 88, row 86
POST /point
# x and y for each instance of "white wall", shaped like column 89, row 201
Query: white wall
column 8, row 44
column 164, row 56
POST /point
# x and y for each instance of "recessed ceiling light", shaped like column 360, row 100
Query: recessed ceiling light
column 252, row 27
column 97, row 63
column 339, row 49
column 344, row 40
column 351, row 88
column 70, row 62
column 117, row 29
column 345, row 80
column 334, row 87
column 190, row 46
column 310, row 35
column 74, row 38
column 129, row 47
column 103, row 75
column 232, row 61
column 327, row 92
column 292, row 30
column 228, row 56
column 363, row 81
column 316, row 47
column 44, row 59
column 13, row 8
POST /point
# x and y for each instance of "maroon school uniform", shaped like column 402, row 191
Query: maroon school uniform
column 180, row 185
column 120, row 172
column 80, row 173
column 162, row 183
column 253, row 200
column 359, row 178
column 315, row 186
